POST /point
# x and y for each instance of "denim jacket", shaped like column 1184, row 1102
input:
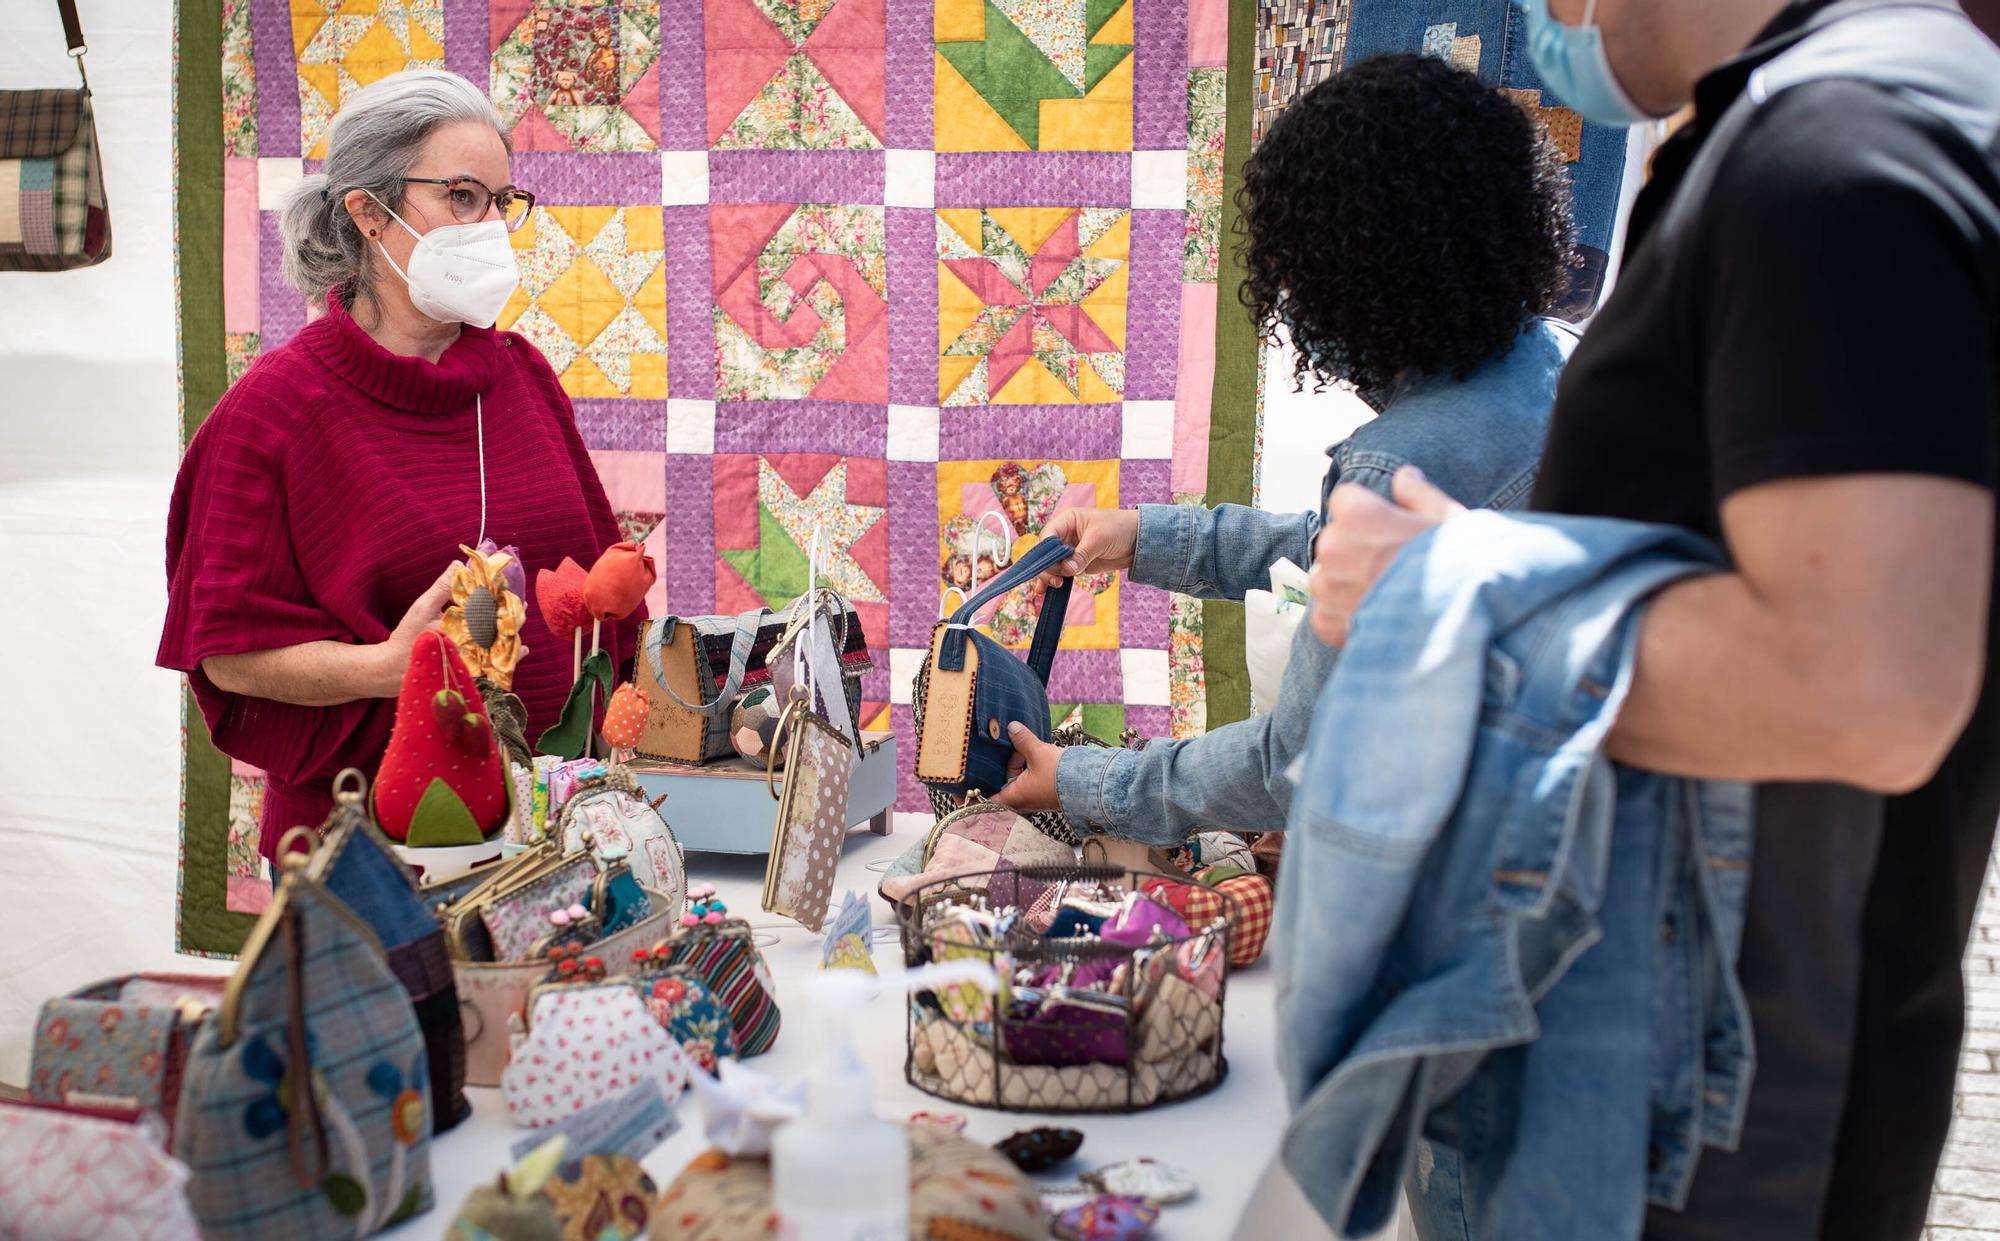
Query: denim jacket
column 1479, row 438
column 1488, row 932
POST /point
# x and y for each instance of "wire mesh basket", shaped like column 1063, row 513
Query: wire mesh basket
column 1119, row 1016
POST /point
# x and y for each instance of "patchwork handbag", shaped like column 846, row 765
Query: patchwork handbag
column 121, row 1043
column 359, row 866
column 977, row 840
column 974, row 687
column 53, row 213
column 726, row 958
column 587, row 1042
column 305, row 1107
column 88, row 1172
column 693, row 669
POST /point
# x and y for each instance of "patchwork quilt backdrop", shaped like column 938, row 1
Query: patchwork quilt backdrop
column 891, row 269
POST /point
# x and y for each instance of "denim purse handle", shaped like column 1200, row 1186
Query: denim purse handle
column 654, row 636
column 1042, row 557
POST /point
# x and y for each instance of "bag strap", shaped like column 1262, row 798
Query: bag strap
column 73, row 36
column 747, row 626
column 72, row 28
column 1042, row 557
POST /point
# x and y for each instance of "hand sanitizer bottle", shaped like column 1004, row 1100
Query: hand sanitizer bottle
column 839, row 1173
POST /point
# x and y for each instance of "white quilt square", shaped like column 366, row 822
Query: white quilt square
column 690, row 426
column 1159, row 180
column 1145, row 677
column 684, row 178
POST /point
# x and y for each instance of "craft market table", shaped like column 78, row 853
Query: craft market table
column 1225, row 1138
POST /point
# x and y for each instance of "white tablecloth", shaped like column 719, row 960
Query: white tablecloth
column 1225, row 1138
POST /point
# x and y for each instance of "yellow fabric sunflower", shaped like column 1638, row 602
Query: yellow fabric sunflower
column 485, row 618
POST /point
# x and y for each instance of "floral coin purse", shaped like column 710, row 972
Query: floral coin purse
column 612, row 817
column 688, row 1010
column 585, row 1043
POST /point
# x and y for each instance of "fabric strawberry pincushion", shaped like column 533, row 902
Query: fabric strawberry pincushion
column 443, row 780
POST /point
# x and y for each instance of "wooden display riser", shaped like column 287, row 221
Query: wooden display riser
column 725, row 807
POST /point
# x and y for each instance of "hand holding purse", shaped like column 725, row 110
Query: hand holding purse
column 974, row 687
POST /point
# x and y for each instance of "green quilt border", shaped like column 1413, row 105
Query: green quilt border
column 1232, row 431
column 203, row 922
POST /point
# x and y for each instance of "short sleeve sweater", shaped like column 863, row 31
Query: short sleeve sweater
column 327, row 490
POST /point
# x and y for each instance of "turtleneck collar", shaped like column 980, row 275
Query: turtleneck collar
column 400, row 380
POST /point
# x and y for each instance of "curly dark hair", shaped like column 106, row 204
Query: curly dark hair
column 1402, row 216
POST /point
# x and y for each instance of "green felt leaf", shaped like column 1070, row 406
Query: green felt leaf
column 569, row 735
column 442, row 819
column 776, row 569
column 1011, row 73
column 344, row 1193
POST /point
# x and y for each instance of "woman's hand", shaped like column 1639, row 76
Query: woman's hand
column 1363, row 534
column 1105, row 539
column 394, row 651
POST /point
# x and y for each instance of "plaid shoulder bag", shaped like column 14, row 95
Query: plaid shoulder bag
column 53, row 214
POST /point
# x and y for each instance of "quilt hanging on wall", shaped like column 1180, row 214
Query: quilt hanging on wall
column 884, row 268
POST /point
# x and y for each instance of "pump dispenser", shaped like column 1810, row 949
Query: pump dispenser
column 840, row 1173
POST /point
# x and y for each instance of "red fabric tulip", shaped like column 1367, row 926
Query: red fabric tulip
column 618, row 582
column 559, row 595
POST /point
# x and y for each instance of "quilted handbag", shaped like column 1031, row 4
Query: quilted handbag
column 122, row 1042
column 587, row 1042
column 693, row 669
column 53, row 213
column 978, row 839
column 359, row 866
column 1206, row 900
column 71, row 1173
column 974, row 687
column 305, row 1108
column 725, row 957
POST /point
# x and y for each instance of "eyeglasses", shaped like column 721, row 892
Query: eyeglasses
column 470, row 199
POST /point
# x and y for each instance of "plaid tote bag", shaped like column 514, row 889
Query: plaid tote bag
column 306, row 1110
column 53, row 213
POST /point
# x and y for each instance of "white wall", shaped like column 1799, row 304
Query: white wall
column 89, row 770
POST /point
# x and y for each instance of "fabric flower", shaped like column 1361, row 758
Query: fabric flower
column 265, row 1114
column 618, row 582
column 516, row 573
column 485, row 617
column 559, row 595
column 406, row 1101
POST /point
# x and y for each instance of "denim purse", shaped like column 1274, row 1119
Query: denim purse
column 974, row 687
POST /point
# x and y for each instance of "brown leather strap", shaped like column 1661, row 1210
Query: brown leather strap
column 72, row 28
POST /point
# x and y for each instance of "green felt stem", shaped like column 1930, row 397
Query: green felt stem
column 570, row 735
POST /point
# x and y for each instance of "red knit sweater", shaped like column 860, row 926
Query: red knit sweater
column 327, row 491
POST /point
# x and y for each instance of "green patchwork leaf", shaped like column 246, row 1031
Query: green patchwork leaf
column 776, row 568
column 442, row 819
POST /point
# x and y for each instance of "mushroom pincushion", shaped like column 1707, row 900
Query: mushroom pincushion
column 443, row 780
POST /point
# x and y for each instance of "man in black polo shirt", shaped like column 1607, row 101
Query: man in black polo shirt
column 1802, row 361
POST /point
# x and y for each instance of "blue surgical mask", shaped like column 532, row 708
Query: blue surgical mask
column 1572, row 64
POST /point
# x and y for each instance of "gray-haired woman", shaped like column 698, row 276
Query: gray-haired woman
column 333, row 485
